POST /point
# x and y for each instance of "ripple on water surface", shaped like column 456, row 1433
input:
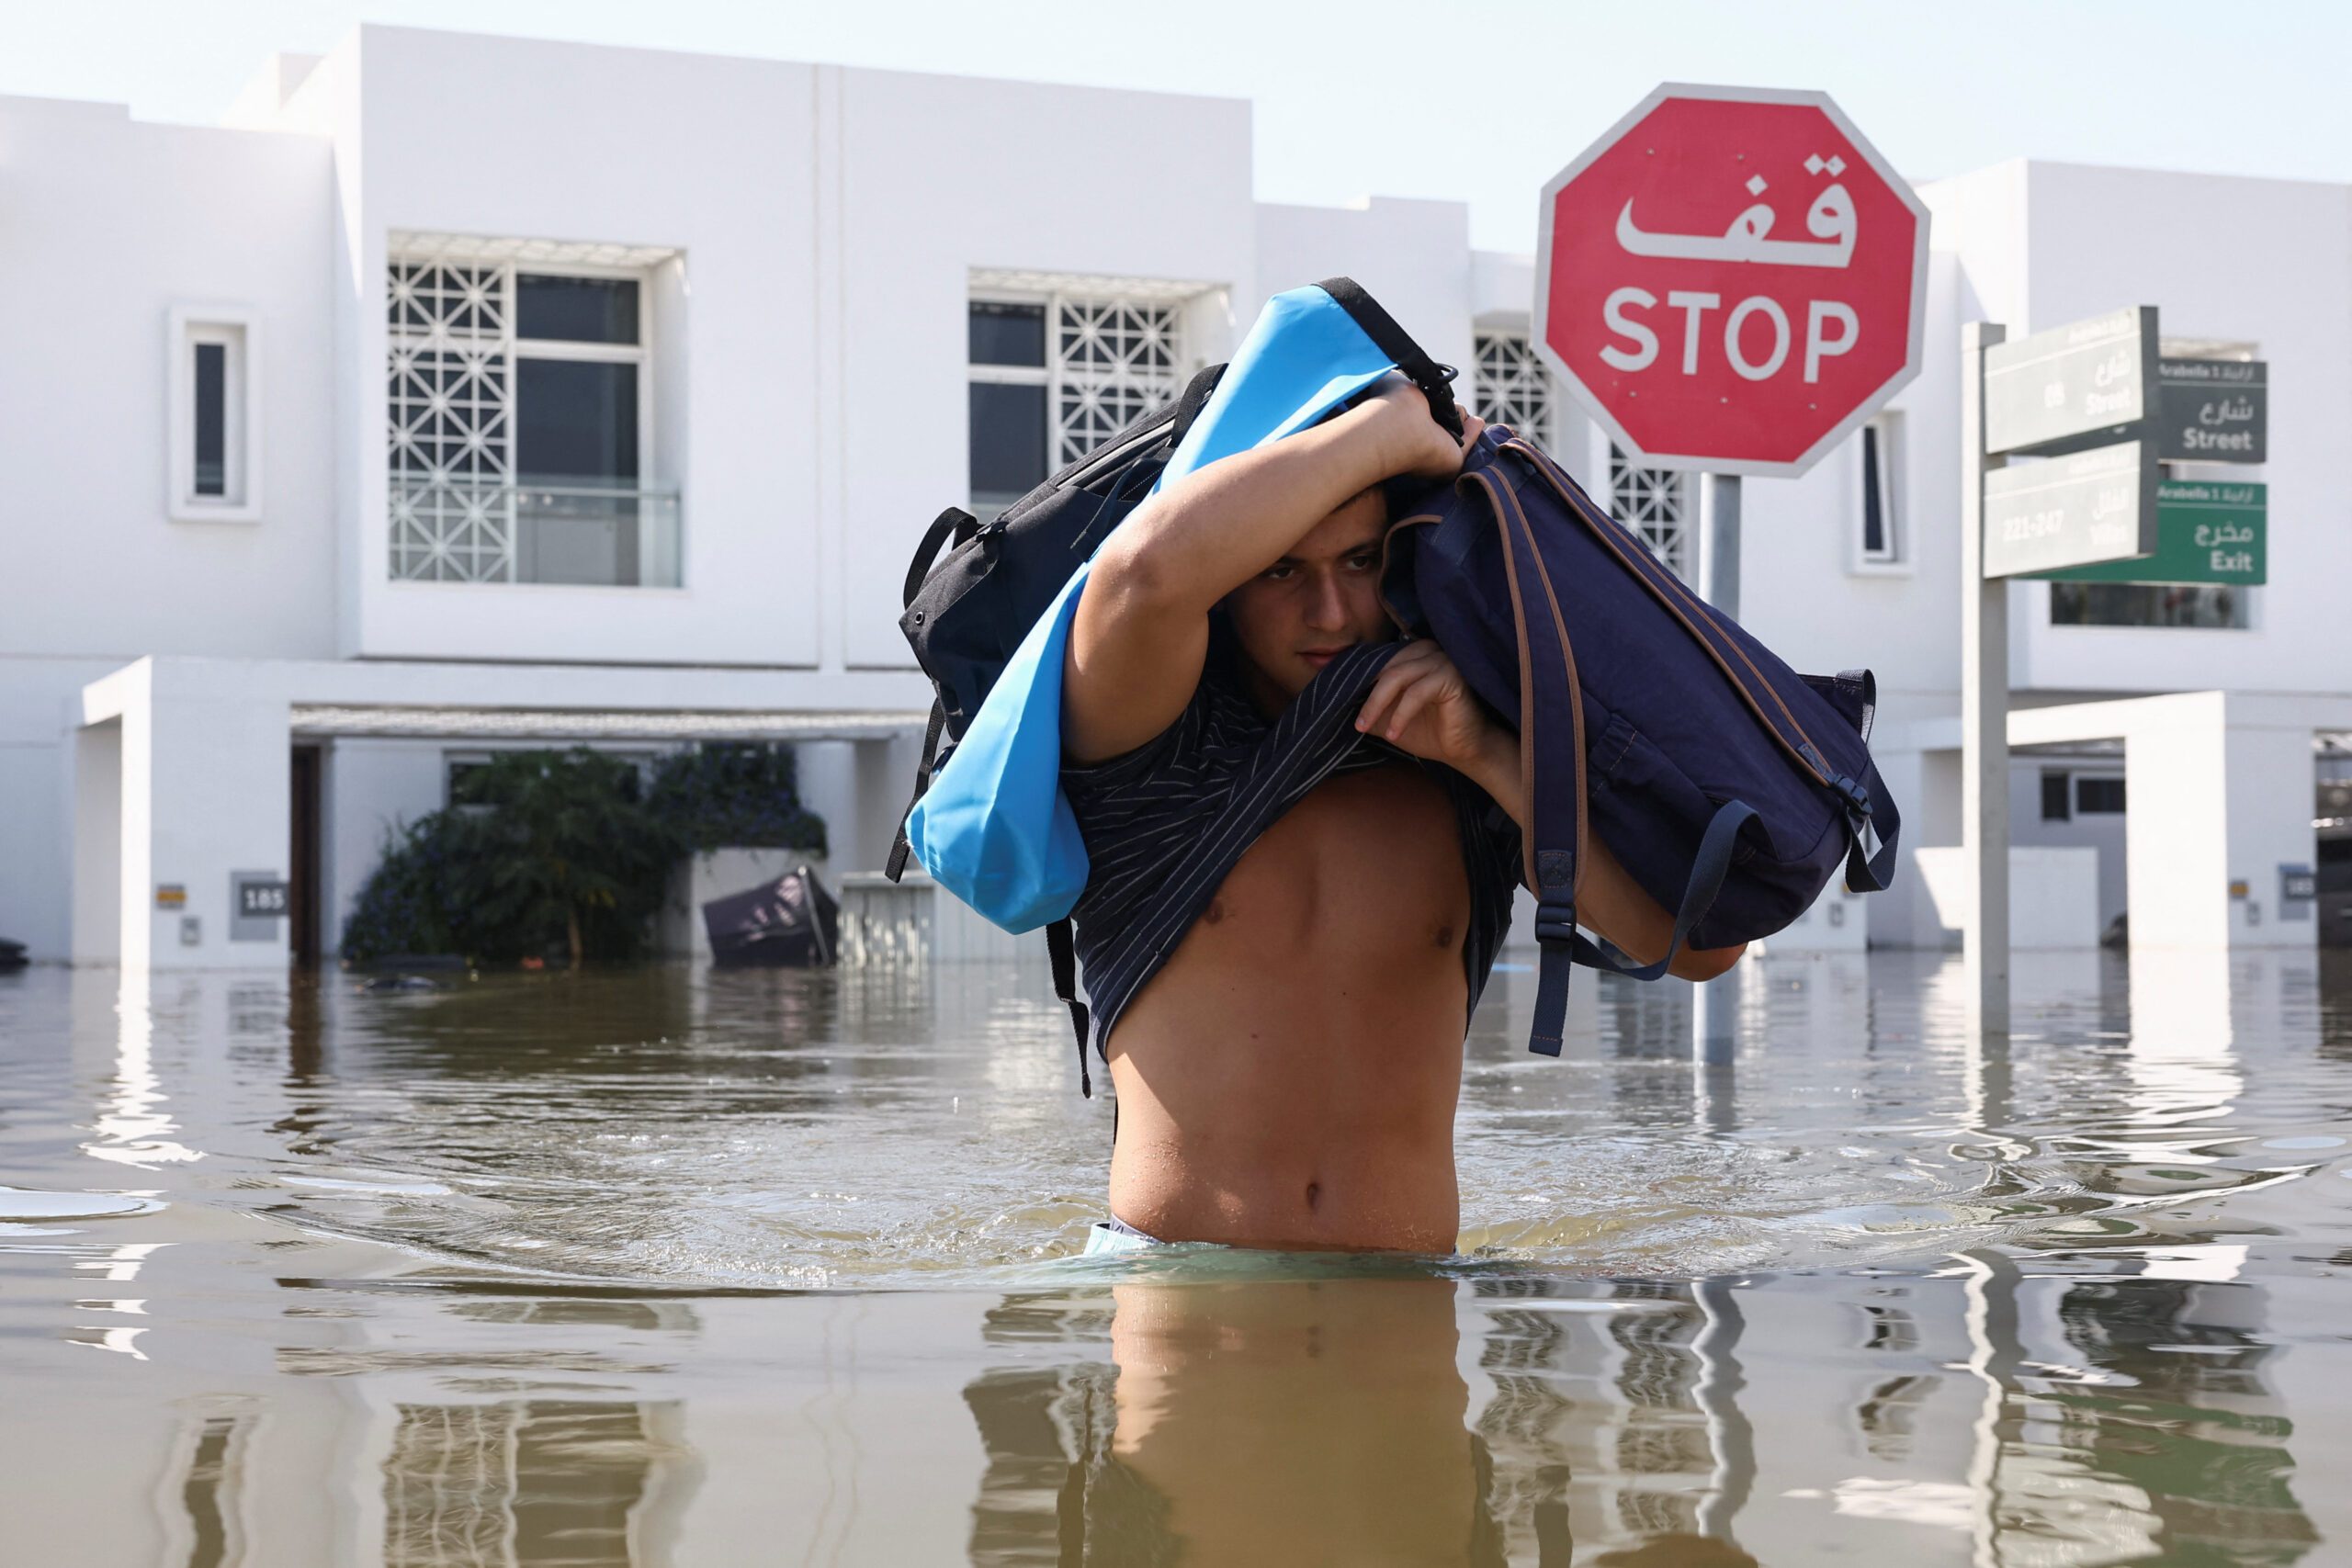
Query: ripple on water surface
column 2031, row 1298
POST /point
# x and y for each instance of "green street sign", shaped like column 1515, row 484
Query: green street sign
column 2205, row 533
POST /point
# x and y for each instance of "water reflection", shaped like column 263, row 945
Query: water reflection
column 2013, row 1418
column 536, row 1484
column 578, row 1269
column 1271, row 1421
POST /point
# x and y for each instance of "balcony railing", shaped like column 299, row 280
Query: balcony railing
column 461, row 531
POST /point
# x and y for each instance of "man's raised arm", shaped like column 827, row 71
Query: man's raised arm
column 1141, row 630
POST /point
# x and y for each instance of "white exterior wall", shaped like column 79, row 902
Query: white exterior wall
column 513, row 138
column 807, row 378
column 106, row 225
column 2102, row 831
column 1801, row 587
column 939, row 175
column 1412, row 256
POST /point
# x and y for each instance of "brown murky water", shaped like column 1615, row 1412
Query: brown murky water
column 667, row 1268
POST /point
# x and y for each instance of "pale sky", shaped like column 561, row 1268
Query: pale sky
column 1376, row 96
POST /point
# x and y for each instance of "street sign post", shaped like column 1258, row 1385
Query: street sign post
column 2094, row 410
column 1730, row 280
column 2077, row 399
column 1983, row 711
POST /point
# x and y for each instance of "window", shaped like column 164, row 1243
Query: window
column 215, row 467
column 2147, row 604
column 2095, row 796
column 520, row 420
column 1880, row 453
column 462, row 776
column 1513, row 387
column 2057, row 797
column 1010, row 388
column 1656, row 505
column 1052, row 379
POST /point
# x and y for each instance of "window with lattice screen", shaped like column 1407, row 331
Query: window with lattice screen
column 1511, row 386
column 1053, row 378
column 1656, row 504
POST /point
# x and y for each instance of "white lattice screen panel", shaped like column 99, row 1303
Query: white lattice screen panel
column 1114, row 361
column 1655, row 503
column 449, row 406
column 1511, row 387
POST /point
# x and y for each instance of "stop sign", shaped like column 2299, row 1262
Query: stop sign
column 1730, row 279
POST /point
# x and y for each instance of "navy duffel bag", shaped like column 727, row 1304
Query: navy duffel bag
column 1730, row 787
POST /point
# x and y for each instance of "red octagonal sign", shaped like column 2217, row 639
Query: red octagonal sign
column 1730, row 279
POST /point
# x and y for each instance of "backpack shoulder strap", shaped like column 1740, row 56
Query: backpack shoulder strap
column 955, row 521
column 1381, row 327
column 895, row 867
column 1063, row 954
column 1552, row 722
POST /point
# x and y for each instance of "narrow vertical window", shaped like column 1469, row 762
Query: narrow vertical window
column 1874, row 498
column 2056, row 796
column 1010, row 401
column 215, row 403
column 211, row 419
column 1881, row 543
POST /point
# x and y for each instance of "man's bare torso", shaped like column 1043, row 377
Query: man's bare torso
column 1288, row 1077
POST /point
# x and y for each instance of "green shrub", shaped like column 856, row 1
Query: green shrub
column 556, row 853
column 414, row 902
column 743, row 794
column 552, row 854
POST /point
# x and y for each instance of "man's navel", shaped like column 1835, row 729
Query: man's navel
column 1216, row 912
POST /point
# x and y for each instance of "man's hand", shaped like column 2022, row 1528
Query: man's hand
column 1421, row 705
column 1416, row 443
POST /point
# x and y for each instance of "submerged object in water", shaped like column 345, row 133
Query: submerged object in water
column 790, row 922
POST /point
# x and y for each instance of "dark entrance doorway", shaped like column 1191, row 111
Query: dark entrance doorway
column 302, row 861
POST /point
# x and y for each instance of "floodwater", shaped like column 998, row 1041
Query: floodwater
column 667, row 1266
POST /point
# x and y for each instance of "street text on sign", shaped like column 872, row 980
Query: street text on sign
column 2073, row 386
column 2098, row 505
column 2213, row 411
column 1730, row 279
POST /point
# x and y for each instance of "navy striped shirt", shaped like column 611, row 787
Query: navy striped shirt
column 1164, row 823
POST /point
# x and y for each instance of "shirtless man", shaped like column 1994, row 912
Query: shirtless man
column 1287, row 1077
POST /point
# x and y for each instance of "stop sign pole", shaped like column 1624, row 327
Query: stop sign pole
column 1730, row 280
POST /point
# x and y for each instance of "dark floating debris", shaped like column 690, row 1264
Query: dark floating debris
column 380, row 983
